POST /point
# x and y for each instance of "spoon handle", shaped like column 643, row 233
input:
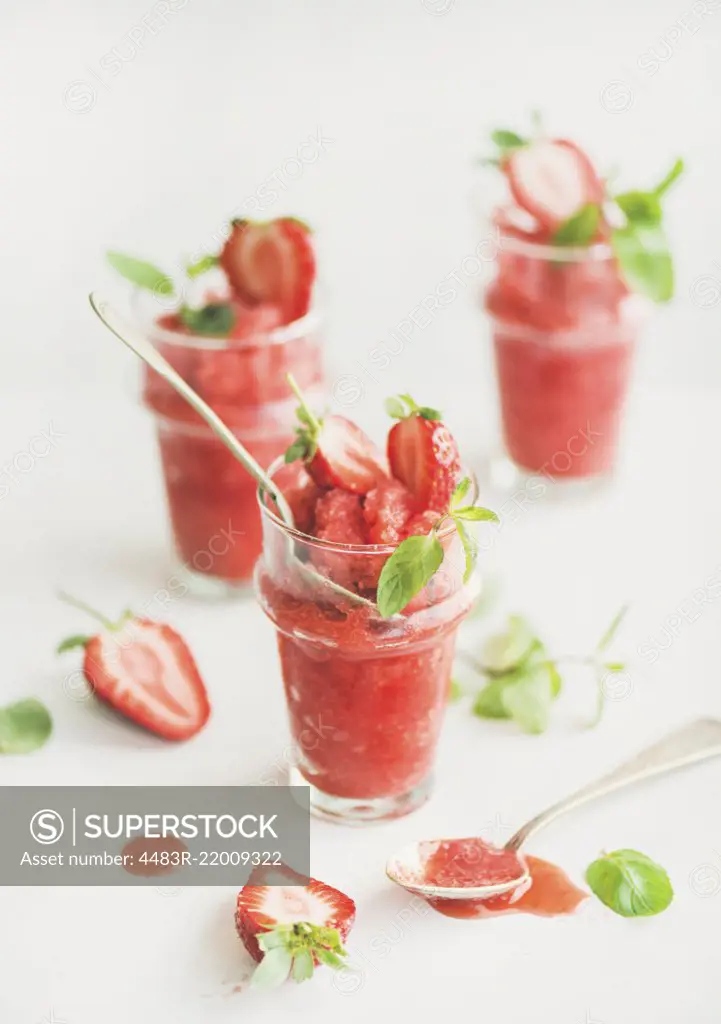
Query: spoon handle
column 150, row 355
column 697, row 741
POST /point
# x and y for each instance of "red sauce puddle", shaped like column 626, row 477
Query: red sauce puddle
column 549, row 892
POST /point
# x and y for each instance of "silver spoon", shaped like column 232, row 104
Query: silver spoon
column 697, row 741
column 143, row 348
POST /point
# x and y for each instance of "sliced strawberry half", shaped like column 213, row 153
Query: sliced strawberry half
column 552, row 179
column 271, row 261
column 423, row 455
column 336, row 452
column 290, row 923
column 145, row 671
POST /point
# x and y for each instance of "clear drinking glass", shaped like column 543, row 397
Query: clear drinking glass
column 366, row 695
column 211, row 499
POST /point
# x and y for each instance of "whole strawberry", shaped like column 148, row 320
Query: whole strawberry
column 292, row 925
column 145, row 671
column 422, row 453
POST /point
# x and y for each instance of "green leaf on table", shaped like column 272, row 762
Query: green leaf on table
column 24, row 727
column 644, row 258
column 528, row 700
column 456, row 692
column 70, row 643
column 505, row 650
column 507, row 140
column 489, row 703
column 630, row 883
column 201, row 266
column 612, row 630
column 215, row 320
column 274, row 969
column 640, row 207
column 140, row 273
column 470, row 549
column 408, row 570
column 581, row 228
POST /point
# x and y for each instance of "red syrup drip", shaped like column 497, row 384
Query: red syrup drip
column 548, row 892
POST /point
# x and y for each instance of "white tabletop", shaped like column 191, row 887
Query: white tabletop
column 94, row 523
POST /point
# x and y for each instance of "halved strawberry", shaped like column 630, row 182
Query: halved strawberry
column 336, row 452
column 145, row 670
column 290, row 923
column 271, row 261
column 423, row 454
column 552, row 179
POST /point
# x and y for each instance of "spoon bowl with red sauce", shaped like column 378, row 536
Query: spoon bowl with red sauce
column 471, row 871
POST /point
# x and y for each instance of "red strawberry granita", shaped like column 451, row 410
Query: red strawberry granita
column 234, row 345
column 576, row 268
column 366, row 693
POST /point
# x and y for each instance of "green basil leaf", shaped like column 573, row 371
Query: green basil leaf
column 302, row 965
column 630, row 883
column 214, row 320
column 273, row 969
column 470, row 549
column 407, row 571
column 640, row 207
column 475, row 514
column 645, row 261
column 71, row 642
column 614, row 627
column 506, row 139
column 675, row 173
column 395, row 408
column 24, row 727
column 581, row 228
column 201, row 266
column 140, row 273
column 503, row 651
column 528, row 700
column 461, row 491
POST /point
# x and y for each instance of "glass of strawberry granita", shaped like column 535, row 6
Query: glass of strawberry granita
column 366, row 695
column 211, row 498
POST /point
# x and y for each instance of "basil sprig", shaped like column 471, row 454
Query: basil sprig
column 630, row 884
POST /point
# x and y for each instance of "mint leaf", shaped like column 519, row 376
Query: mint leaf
column 460, row 492
column 140, row 273
column 302, row 965
column 395, row 408
column 201, row 266
column 507, row 140
column 71, row 642
column 475, row 514
column 273, row 969
column 489, row 703
column 470, row 549
column 643, row 255
column 407, row 572
column 581, row 228
column 675, row 173
column 610, row 633
column 504, row 651
column 214, row 320
column 456, row 692
column 528, row 700
column 640, row 207
column 24, row 727
column 630, row 883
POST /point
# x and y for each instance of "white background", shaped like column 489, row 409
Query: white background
column 208, row 104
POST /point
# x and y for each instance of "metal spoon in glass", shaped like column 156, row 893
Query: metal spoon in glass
column 143, row 348
column 697, row 741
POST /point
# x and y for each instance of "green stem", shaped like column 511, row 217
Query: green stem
column 81, row 606
column 314, row 422
column 675, row 172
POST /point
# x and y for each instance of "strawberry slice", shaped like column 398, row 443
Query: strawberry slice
column 336, row 452
column 145, row 671
column 290, row 923
column 552, row 179
column 272, row 262
column 423, row 454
